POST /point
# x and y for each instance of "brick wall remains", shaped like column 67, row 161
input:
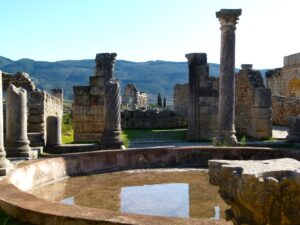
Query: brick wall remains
column 181, row 96
column 283, row 107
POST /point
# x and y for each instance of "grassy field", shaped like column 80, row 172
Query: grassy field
column 129, row 135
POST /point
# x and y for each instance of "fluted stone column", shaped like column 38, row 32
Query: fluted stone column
column 226, row 130
column 5, row 165
column 111, row 138
column 17, row 143
column 53, row 131
column 197, row 67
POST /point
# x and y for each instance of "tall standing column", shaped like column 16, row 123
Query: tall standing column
column 197, row 67
column 111, row 138
column 17, row 143
column 5, row 165
column 226, row 130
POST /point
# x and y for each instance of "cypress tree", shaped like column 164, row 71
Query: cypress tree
column 159, row 102
column 164, row 103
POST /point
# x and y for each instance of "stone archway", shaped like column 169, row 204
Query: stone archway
column 293, row 87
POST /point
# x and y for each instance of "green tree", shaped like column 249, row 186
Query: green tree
column 164, row 103
column 159, row 102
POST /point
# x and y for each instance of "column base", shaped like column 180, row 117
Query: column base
column 5, row 166
column 19, row 150
column 111, row 140
column 226, row 137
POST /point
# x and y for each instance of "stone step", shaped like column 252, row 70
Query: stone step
column 36, row 139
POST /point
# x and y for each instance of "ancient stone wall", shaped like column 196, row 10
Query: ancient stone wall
column 285, row 86
column 151, row 119
column 88, row 104
column 283, row 107
column 133, row 98
column 248, row 116
column 181, row 96
column 41, row 105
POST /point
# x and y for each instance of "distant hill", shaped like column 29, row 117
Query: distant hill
column 151, row 77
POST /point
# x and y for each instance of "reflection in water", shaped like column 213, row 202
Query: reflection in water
column 156, row 199
column 168, row 192
column 68, row 201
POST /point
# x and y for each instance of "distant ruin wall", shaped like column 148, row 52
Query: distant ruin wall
column 181, row 96
column 283, row 107
column 151, row 119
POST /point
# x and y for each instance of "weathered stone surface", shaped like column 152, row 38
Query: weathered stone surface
column 259, row 192
column 226, row 130
column 262, row 97
column 181, row 99
column 53, row 131
column 133, row 98
column 294, row 129
column 17, row 142
column 88, row 106
column 5, row 165
column 111, row 138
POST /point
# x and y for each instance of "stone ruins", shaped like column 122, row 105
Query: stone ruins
column 89, row 104
column 133, row 98
column 40, row 106
column 285, row 87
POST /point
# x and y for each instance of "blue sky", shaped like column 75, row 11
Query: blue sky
column 141, row 30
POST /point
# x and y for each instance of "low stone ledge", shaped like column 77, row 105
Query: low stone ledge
column 259, row 192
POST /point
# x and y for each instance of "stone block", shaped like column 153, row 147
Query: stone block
column 36, row 118
column 292, row 60
column 96, row 100
column 98, row 110
column 261, row 113
column 262, row 97
column 81, row 110
column 294, row 129
column 87, row 137
column 83, row 100
column 92, row 127
column 204, row 109
column 36, row 110
column 78, row 127
column 39, row 127
column 97, row 90
column 81, row 90
column 258, row 191
column 165, row 113
column 150, row 113
column 127, row 114
column 261, row 124
column 97, row 81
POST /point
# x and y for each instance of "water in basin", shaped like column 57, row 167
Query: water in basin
column 162, row 192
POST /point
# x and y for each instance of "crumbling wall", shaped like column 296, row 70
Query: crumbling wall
column 20, row 79
column 132, row 98
column 283, row 107
column 41, row 105
column 285, row 86
column 151, row 119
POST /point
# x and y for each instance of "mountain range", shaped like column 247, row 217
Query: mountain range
column 153, row 77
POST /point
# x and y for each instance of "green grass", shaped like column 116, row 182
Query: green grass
column 67, row 129
column 129, row 135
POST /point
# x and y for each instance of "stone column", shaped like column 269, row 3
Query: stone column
column 17, row 143
column 111, row 138
column 197, row 67
column 226, row 130
column 53, row 131
column 5, row 165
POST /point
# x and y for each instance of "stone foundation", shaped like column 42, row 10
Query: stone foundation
column 151, row 119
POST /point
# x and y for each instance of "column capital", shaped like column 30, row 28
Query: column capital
column 197, row 58
column 228, row 17
column 105, row 58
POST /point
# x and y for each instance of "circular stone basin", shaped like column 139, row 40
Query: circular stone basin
column 16, row 200
column 159, row 192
